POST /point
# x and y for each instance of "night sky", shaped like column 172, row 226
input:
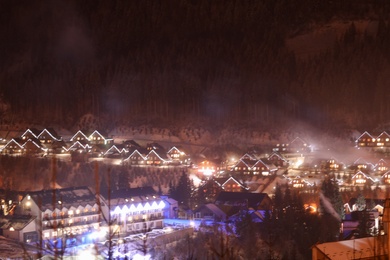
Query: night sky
column 164, row 62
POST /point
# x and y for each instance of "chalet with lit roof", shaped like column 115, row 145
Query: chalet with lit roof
column 178, row 156
column 278, row 160
column 78, row 147
column 370, row 205
column 48, row 136
column 209, row 167
column 365, row 140
column 13, row 147
column 362, row 165
column 134, row 209
column 264, row 168
column 62, row 212
column 34, row 147
column 231, row 184
column 386, row 177
column 156, row 158
column 381, row 166
column 115, row 151
column 383, row 140
column 97, row 138
column 360, row 178
column 299, row 183
column 135, row 158
column 333, row 164
column 210, row 188
column 298, row 145
column 30, row 133
column 244, row 165
column 79, row 136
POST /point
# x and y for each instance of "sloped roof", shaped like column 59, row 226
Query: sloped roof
column 257, row 216
column 214, row 209
column 131, row 192
column 18, row 222
column 361, row 248
column 252, row 200
column 67, row 196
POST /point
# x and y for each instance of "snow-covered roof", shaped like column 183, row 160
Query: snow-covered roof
column 362, row 248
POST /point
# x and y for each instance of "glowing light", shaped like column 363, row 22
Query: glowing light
column 133, row 209
column 298, row 163
column 141, row 257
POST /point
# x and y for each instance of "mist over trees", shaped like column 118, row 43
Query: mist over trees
column 169, row 61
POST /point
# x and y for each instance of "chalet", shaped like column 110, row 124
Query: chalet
column 21, row 228
column 248, row 156
column 278, row 160
column 134, row 209
column 383, row 140
column 97, row 138
column 178, row 155
column 362, row 165
column 131, row 144
column 156, row 158
column 209, row 189
column 61, row 212
column 115, row 151
column 381, row 166
column 31, row 133
column 298, row 145
column 365, row 140
column 79, row 137
column 48, row 136
column 211, row 212
column 244, row 200
column 77, row 147
column 13, row 147
column 244, row 166
column 135, row 158
column 231, row 184
column 34, row 147
column 333, row 164
column 299, row 183
column 360, row 178
column 263, row 167
column 370, row 205
column 386, row 177
column 209, row 167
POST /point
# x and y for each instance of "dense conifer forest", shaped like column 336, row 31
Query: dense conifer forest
column 194, row 60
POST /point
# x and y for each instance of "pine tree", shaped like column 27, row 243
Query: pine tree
column 183, row 190
column 360, row 202
column 332, row 210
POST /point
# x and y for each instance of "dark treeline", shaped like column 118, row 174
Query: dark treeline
column 173, row 60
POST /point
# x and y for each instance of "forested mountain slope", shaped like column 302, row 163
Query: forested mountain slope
column 256, row 63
